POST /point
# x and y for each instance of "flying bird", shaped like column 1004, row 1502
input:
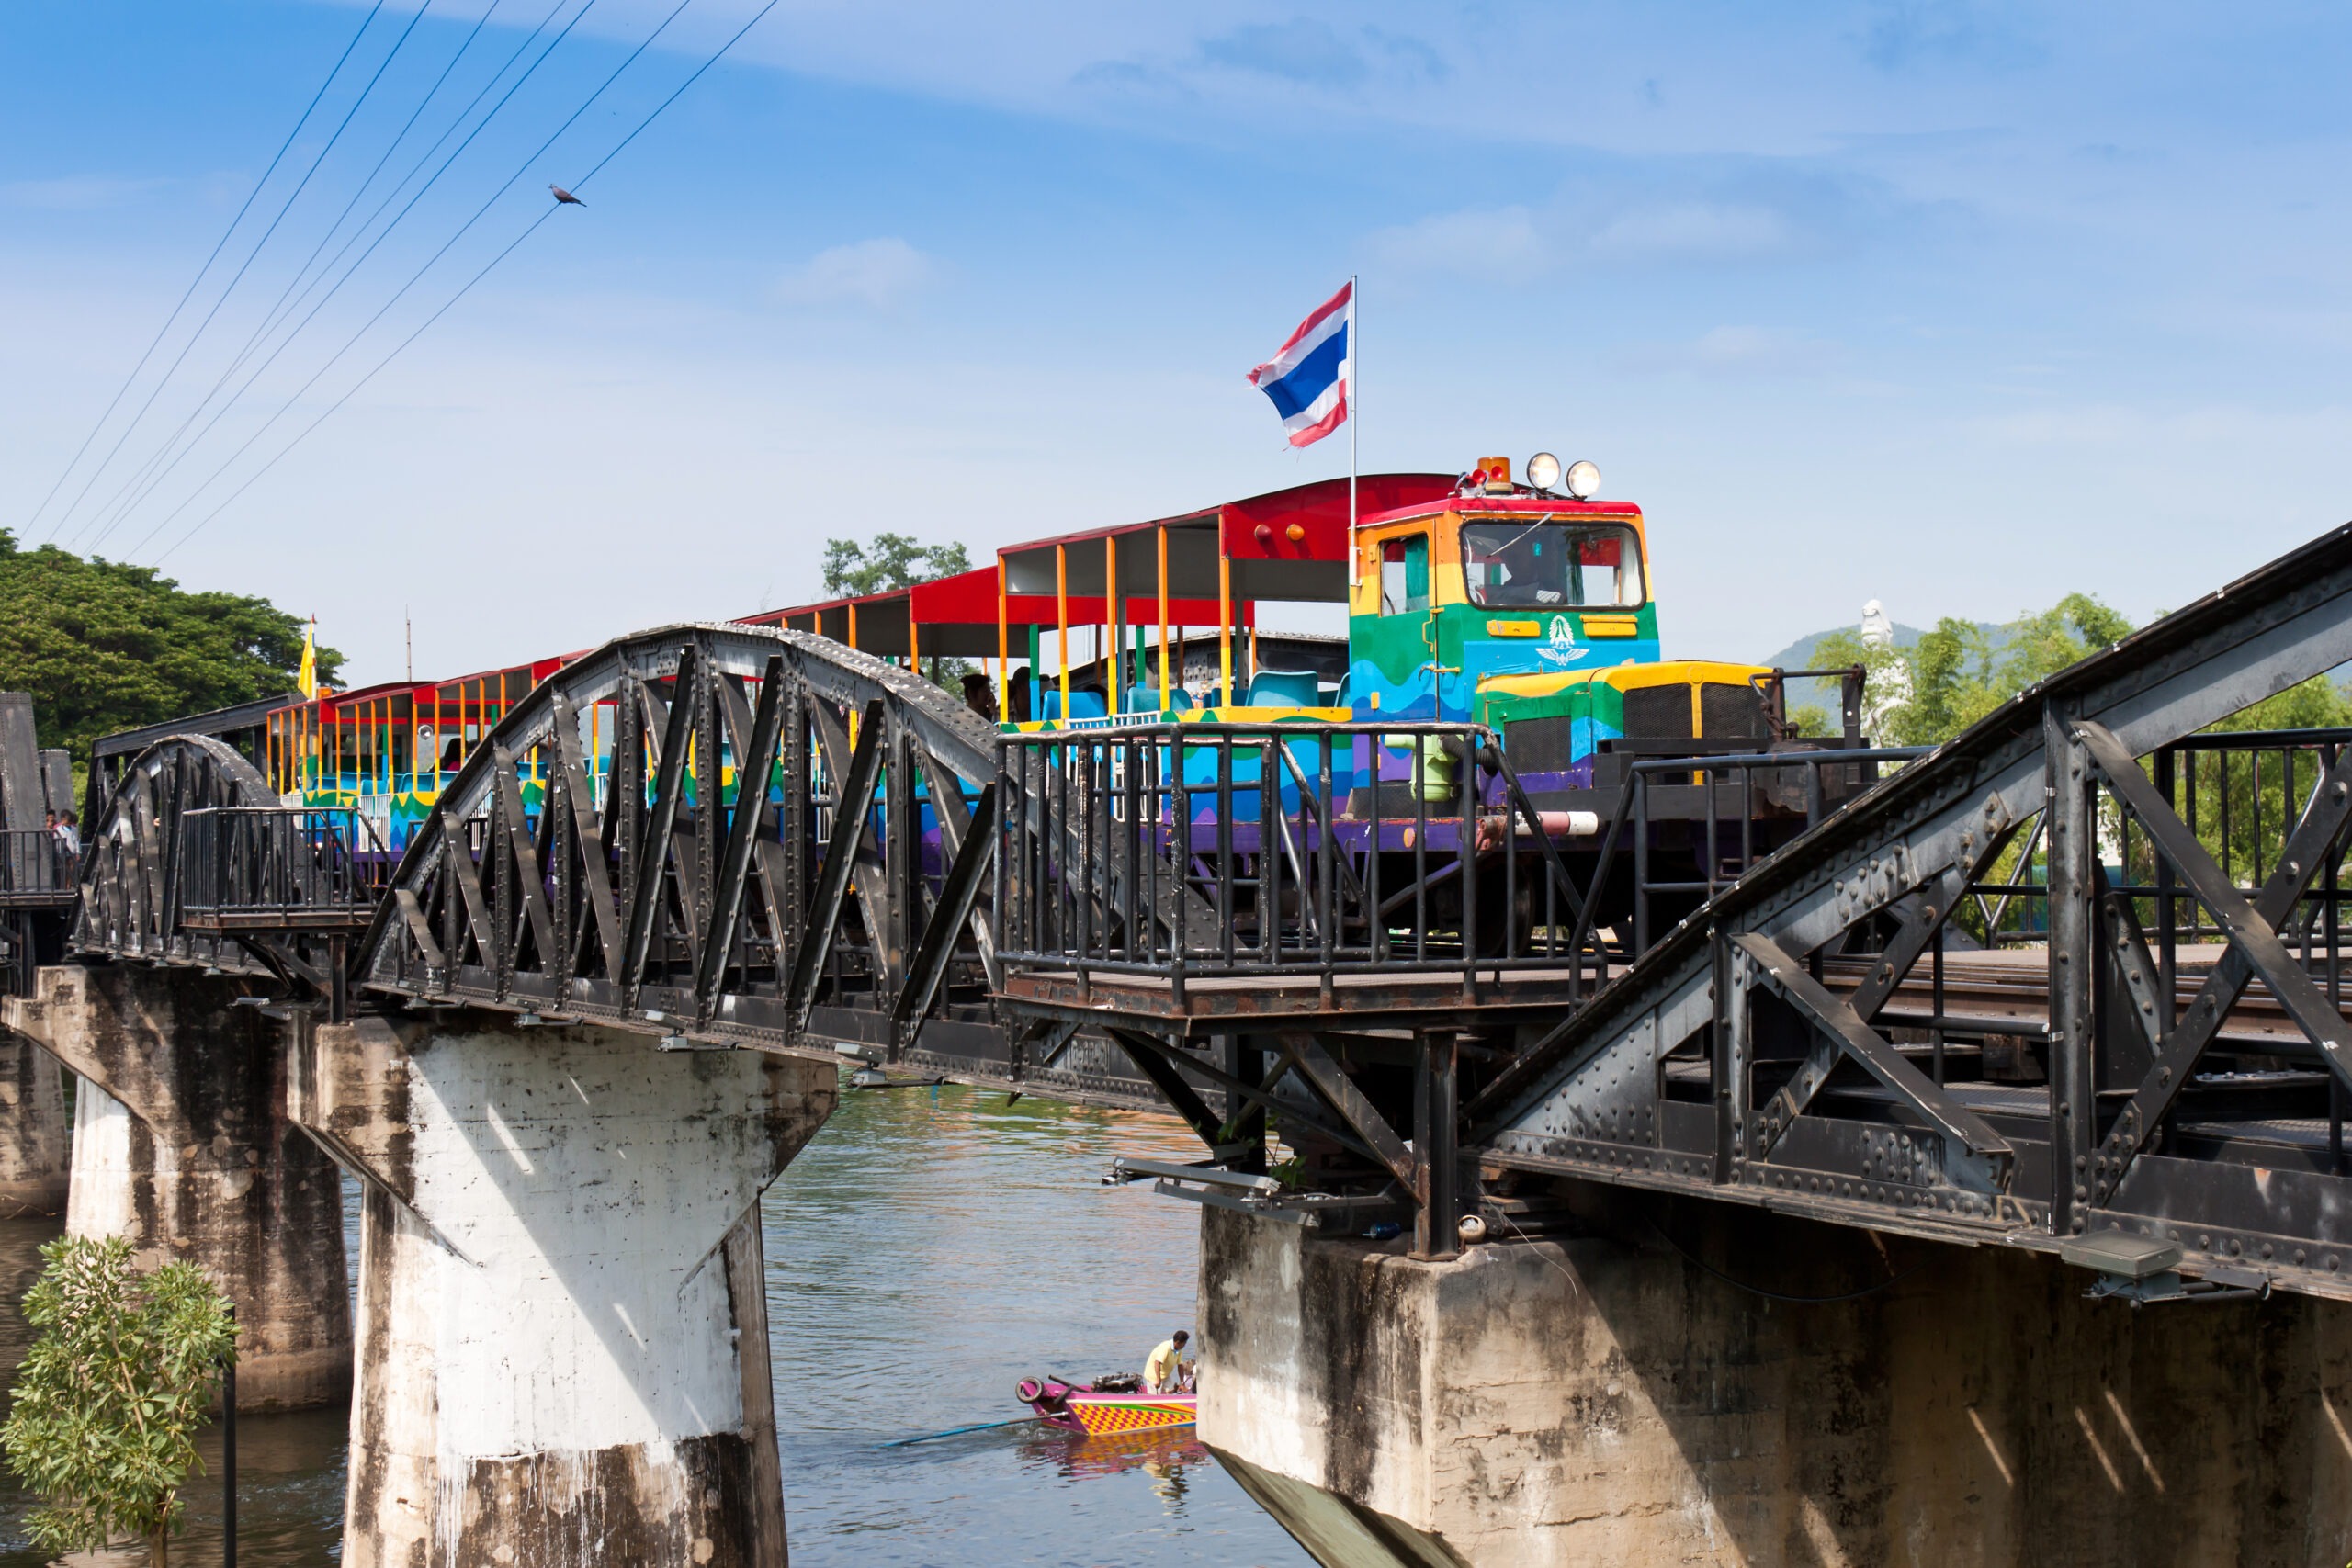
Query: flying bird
column 565, row 198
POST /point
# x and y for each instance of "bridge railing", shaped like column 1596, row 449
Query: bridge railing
column 36, row 867
column 1692, row 825
column 1274, row 849
column 281, row 868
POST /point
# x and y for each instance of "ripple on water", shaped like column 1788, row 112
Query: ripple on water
column 926, row 1251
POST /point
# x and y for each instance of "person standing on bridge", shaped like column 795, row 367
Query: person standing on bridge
column 1165, row 1372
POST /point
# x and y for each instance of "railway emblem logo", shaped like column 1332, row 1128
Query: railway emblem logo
column 1563, row 648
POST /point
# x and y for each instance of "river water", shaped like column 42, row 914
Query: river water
column 927, row 1249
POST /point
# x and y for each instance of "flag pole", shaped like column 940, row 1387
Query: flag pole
column 1355, row 374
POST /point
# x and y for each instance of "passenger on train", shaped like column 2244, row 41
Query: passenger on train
column 979, row 695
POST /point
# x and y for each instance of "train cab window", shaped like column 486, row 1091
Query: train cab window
column 1405, row 575
column 1509, row 563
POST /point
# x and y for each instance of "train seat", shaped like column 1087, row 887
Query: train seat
column 1284, row 689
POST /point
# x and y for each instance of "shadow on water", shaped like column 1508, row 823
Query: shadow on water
column 926, row 1250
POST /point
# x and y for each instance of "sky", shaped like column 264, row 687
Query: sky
column 1959, row 306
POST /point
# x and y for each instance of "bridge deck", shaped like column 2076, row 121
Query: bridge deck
column 1359, row 998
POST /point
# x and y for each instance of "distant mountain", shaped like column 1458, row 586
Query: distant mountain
column 1799, row 655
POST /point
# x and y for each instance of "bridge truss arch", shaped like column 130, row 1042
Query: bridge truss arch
column 655, row 838
column 131, row 875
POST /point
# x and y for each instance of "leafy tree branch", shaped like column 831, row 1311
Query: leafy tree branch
column 108, row 1400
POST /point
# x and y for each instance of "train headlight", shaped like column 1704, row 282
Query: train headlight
column 1543, row 471
column 1584, row 480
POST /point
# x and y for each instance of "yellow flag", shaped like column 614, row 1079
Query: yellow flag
column 308, row 679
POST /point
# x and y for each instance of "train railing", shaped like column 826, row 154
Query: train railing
column 1273, row 850
column 267, row 868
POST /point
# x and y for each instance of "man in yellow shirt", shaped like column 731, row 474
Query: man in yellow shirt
column 1163, row 1373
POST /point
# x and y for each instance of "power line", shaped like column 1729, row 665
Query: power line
column 672, row 99
column 218, row 247
column 639, row 130
column 430, row 261
column 520, row 171
column 346, row 397
column 284, row 208
column 393, row 195
column 276, row 314
column 382, row 236
column 149, row 485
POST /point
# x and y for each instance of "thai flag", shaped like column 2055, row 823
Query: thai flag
column 1307, row 377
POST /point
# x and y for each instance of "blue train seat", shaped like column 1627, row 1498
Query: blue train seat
column 1284, row 689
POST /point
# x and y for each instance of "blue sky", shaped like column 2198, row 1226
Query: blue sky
column 1957, row 307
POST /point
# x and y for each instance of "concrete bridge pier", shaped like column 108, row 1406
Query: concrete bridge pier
column 36, row 1130
column 563, row 1349
column 181, row 1143
column 1599, row 1397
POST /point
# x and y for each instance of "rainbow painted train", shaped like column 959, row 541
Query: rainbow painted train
column 1499, row 694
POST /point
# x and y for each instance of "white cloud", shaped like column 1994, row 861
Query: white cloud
column 1503, row 245
column 1733, row 351
column 1693, row 231
column 1519, row 245
column 78, row 193
column 878, row 275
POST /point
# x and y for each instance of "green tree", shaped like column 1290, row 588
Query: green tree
column 2316, row 703
column 892, row 560
column 108, row 1400
column 897, row 561
column 2040, row 644
column 103, row 646
column 1954, row 676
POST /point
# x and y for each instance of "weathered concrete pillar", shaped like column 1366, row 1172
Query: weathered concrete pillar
column 181, row 1143
column 562, row 1321
column 36, row 1132
column 1605, row 1401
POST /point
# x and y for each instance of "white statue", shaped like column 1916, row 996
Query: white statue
column 1877, row 630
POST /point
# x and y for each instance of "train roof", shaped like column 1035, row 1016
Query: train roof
column 1472, row 501
column 1289, row 544
column 1286, row 544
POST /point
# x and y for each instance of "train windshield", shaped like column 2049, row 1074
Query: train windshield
column 1515, row 564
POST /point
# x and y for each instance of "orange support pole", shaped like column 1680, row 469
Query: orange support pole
column 1116, row 675
column 1061, row 617
column 1003, row 646
column 1163, row 618
column 1224, row 621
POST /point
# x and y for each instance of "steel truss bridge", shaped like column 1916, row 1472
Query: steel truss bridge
column 1443, row 997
